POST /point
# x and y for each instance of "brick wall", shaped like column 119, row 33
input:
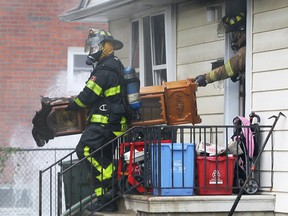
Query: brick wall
column 34, row 46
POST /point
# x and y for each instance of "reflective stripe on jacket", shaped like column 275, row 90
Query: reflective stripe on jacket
column 103, row 95
column 232, row 68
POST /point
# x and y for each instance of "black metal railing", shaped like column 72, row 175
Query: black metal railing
column 165, row 161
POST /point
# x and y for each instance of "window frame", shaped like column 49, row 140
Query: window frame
column 232, row 104
column 71, row 52
column 170, row 44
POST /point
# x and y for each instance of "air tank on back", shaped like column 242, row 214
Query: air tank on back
column 132, row 88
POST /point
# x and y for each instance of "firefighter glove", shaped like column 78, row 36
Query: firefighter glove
column 72, row 106
column 201, row 80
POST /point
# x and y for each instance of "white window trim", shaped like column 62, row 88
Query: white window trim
column 170, row 34
column 170, row 28
column 70, row 64
column 155, row 68
column 248, row 63
column 231, row 93
column 231, row 90
column 141, row 53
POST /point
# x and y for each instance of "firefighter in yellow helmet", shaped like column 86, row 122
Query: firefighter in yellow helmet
column 235, row 66
column 102, row 95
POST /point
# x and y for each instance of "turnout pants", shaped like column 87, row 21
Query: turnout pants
column 100, row 164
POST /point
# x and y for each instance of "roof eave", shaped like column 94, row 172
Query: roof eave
column 95, row 11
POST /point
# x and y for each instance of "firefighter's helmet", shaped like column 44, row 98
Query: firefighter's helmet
column 234, row 23
column 236, row 27
column 96, row 37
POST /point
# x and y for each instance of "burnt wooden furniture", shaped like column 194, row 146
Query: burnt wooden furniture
column 171, row 103
column 52, row 120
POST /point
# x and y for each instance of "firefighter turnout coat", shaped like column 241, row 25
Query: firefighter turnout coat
column 102, row 95
column 233, row 68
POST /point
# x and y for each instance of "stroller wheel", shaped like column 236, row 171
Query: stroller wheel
column 251, row 187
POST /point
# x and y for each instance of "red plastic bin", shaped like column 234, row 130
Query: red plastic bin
column 215, row 175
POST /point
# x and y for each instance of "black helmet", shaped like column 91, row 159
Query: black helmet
column 98, row 36
column 234, row 23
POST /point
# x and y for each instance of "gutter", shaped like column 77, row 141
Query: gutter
column 98, row 9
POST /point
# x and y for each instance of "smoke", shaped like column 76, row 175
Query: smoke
column 25, row 164
column 59, row 87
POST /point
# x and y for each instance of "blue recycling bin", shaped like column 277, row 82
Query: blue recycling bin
column 173, row 170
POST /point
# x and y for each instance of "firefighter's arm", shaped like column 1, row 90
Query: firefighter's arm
column 76, row 104
column 87, row 96
column 231, row 68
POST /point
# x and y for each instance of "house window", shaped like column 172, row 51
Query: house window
column 135, row 46
column 158, row 49
column 78, row 72
column 149, row 47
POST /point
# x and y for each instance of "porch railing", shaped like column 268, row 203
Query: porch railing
column 164, row 161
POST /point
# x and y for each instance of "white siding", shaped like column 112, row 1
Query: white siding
column 271, row 60
column 270, row 85
column 120, row 31
column 197, row 47
column 262, row 40
column 270, row 80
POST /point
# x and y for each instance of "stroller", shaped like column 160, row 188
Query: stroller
column 247, row 136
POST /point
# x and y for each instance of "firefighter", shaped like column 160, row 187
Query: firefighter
column 102, row 95
column 235, row 67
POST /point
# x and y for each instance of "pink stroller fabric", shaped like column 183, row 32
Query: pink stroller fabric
column 248, row 136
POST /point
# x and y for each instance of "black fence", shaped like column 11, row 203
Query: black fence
column 165, row 161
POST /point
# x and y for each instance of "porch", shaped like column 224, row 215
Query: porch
column 142, row 205
column 150, row 199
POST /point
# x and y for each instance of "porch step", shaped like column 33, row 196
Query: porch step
column 200, row 205
column 143, row 205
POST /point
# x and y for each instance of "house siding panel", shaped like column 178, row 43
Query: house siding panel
column 268, row 5
column 270, row 100
column 270, row 80
column 265, row 164
column 197, row 47
column 195, row 14
column 197, row 36
column 271, row 60
column 202, row 52
column 269, row 86
column 279, row 181
column 120, row 31
column 279, row 140
column 271, row 20
column 205, row 107
column 262, row 40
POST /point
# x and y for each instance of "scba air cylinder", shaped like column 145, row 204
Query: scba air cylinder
column 132, row 88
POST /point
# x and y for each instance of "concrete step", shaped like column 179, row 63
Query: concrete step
column 200, row 205
column 215, row 205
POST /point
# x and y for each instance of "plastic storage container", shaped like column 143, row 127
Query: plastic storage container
column 174, row 174
column 215, row 175
column 76, row 186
